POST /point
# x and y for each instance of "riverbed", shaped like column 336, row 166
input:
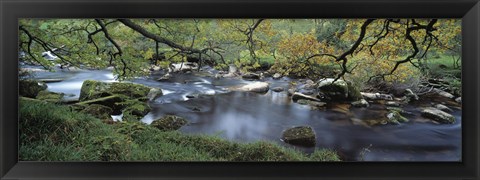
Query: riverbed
column 248, row 116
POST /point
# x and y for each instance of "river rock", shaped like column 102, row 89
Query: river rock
column 169, row 123
column 277, row 76
column 95, row 89
column 136, row 108
column 438, row 115
column 396, row 118
column 232, row 69
column 50, row 80
column 291, row 91
column 165, row 77
column 302, row 135
column 182, row 67
column 251, row 76
column 154, row 93
column 50, row 96
column 377, row 96
column 314, row 104
column 259, row 87
column 443, row 108
column 278, row 89
column 443, row 93
column 360, row 103
column 113, row 101
column 30, row 88
column 411, row 95
column 297, row 96
column 98, row 111
column 338, row 90
column 392, row 103
column 459, row 100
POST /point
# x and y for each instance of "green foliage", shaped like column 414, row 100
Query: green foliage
column 50, row 132
column 285, row 45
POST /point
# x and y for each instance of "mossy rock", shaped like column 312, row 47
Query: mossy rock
column 438, row 115
column 353, row 92
column 394, row 117
column 301, row 135
column 333, row 90
column 113, row 101
column 95, row 89
column 136, row 108
column 98, row 111
column 169, row 123
column 30, row 88
column 50, row 96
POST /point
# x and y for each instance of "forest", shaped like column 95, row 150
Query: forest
column 240, row 89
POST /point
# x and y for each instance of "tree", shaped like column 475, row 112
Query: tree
column 300, row 47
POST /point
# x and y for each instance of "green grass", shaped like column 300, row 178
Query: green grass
column 52, row 132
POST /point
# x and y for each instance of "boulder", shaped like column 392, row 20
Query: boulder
column 311, row 103
column 411, row 96
column 443, row 108
column 376, row 96
column 338, row 90
column 98, row 111
column 459, row 100
column 136, row 108
column 259, row 87
column 291, row 91
column 392, row 103
column 297, row 96
column 278, row 89
column 165, row 77
column 251, row 76
column 360, row 103
column 50, row 96
column 302, row 135
column 30, row 88
column 95, row 89
column 438, row 115
column 169, row 123
column 232, row 69
column 396, row 118
column 400, row 110
column 113, row 101
column 277, row 76
column 154, row 93
column 50, row 80
column 443, row 93
column 182, row 67
column 353, row 92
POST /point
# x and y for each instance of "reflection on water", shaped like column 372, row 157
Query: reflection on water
column 247, row 117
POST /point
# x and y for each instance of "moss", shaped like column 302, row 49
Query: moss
column 30, row 88
column 98, row 111
column 113, row 101
column 50, row 96
column 396, row 118
column 95, row 89
column 129, row 89
column 169, row 123
column 302, row 135
column 337, row 90
column 353, row 92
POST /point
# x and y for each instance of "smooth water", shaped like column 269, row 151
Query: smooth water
column 247, row 117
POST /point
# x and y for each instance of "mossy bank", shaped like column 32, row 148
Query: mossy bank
column 52, row 132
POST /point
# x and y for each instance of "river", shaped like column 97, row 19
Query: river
column 247, row 117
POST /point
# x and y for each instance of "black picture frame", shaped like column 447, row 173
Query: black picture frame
column 467, row 10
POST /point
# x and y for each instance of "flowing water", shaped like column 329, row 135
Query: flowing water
column 247, row 117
